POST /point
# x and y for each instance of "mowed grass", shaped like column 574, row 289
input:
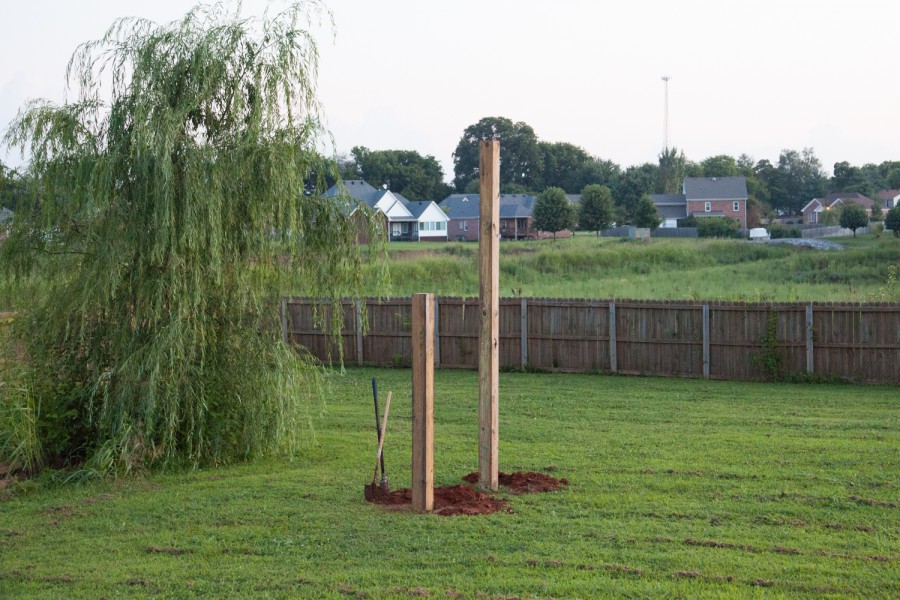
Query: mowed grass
column 679, row 488
column 586, row 266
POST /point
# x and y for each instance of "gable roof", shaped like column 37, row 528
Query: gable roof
column 715, row 188
column 467, row 206
column 356, row 189
column 847, row 198
column 418, row 209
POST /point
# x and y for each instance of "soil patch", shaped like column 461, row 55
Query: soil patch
column 524, row 482
column 466, row 500
column 449, row 501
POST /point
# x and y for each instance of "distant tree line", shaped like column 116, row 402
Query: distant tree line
column 531, row 165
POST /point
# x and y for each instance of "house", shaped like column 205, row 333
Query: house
column 516, row 217
column 813, row 209
column 889, row 198
column 704, row 197
column 716, row 197
column 670, row 207
column 406, row 221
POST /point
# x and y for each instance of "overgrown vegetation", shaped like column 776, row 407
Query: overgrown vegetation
column 665, row 269
column 164, row 206
column 677, row 488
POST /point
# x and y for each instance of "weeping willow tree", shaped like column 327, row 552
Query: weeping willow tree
column 167, row 201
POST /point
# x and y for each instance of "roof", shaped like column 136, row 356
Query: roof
column 669, row 200
column 846, row 198
column 357, row 189
column 888, row 194
column 715, row 188
column 467, row 206
column 672, row 212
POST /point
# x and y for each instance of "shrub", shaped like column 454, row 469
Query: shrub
column 779, row 231
column 720, row 227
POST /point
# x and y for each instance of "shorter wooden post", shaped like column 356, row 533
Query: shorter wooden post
column 423, row 402
column 613, row 359
column 706, row 341
column 809, row 339
column 524, row 333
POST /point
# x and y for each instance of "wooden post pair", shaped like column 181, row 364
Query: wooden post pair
column 423, row 319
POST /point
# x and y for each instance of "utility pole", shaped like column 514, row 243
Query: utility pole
column 665, row 79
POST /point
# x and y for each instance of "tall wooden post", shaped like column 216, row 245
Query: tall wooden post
column 489, row 293
column 423, row 402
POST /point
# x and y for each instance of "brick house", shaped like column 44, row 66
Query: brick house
column 815, row 207
column 705, row 197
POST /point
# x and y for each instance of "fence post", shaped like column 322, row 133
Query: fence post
column 613, row 360
column 809, row 339
column 437, row 334
column 706, row 341
column 523, row 334
column 359, row 334
column 284, row 324
column 423, row 402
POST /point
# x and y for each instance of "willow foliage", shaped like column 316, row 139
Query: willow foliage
column 167, row 202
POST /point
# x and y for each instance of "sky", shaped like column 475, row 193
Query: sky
column 745, row 77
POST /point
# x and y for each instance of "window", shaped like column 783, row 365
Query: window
column 707, row 207
column 441, row 226
column 736, row 207
column 464, row 225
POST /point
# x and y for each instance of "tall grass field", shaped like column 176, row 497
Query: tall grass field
column 586, row 266
column 678, row 489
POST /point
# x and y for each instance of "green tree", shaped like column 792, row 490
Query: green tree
column 520, row 158
column 853, row 216
column 721, row 165
column 414, row 176
column 796, row 180
column 183, row 174
column 672, row 170
column 552, row 211
column 571, row 167
column 597, row 209
column 646, row 214
column 634, row 183
column 892, row 220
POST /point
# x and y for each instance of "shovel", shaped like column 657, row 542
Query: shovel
column 385, row 486
column 374, row 490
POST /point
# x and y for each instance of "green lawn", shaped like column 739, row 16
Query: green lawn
column 679, row 488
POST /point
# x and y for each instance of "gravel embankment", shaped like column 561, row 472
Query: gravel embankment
column 808, row 243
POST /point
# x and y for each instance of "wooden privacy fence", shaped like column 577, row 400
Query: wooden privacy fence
column 715, row 340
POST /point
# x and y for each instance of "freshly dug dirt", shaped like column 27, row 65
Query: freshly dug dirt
column 466, row 500
column 524, row 482
column 448, row 501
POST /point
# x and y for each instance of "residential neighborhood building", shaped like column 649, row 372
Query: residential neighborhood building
column 405, row 220
column 889, row 198
column 812, row 212
column 516, row 217
column 704, row 197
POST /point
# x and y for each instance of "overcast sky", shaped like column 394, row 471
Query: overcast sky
column 746, row 77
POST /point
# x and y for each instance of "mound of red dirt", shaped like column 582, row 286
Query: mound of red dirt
column 448, row 501
column 466, row 500
column 524, row 482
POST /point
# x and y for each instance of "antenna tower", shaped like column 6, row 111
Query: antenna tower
column 665, row 79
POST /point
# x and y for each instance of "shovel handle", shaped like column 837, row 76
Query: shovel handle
column 387, row 407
